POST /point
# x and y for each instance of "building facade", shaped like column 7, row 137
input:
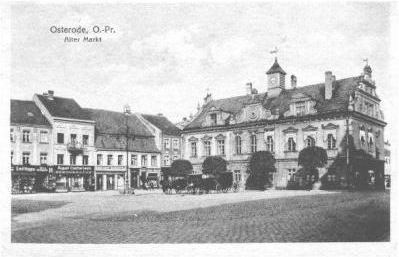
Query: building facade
column 167, row 137
column 284, row 120
column 73, row 141
column 140, row 158
column 31, row 148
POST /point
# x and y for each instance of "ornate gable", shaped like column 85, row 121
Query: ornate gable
column 329, row 126
column 253, row 112
column 290, row 130
column 309, row 128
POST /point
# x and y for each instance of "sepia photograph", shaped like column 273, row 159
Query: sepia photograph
column 200, row 123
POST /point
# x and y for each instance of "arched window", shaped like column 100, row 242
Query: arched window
column 331, row 141
column 238, row 144
column 291, row 144
column 253, row 143
column 269, row 144
column 310, row 141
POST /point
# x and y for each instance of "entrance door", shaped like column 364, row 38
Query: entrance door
column 99, row 182
column 110, row 182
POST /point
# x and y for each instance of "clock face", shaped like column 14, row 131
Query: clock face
column 273, row 81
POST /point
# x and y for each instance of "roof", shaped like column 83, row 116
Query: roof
column 165, row 125
column 111, row 131
column 338, row 101
column 63, row 107
column 276, row 68
column 26, row 112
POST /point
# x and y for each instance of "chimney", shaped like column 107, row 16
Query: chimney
column 248, row 88
column 293, row 81
column 50, row 93
column 328, row 85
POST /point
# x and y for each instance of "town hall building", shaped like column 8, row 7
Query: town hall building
column 286, row 119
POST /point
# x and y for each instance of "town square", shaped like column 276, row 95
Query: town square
column 200, row 124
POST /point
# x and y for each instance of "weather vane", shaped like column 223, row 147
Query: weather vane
column 274, row 52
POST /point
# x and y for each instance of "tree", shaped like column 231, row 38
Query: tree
column 214, row 165
column 311, row 158
column 180, row 168
column 261, row 164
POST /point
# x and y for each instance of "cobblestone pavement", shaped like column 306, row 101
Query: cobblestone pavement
column 276, row 216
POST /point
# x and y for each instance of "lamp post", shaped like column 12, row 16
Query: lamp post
column 127, row 112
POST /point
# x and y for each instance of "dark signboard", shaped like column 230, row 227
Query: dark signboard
column 61, row 169
column 31, row 168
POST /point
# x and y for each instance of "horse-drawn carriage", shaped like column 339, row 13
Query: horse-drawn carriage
column 200, row 183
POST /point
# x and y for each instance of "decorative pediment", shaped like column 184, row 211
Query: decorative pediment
column 220, row 137
column 193, row 139
column 206, row 138
column 253, row 112
column 309, row 128
column 290, row 130
column 329, row 126
column 237, row 132
column 269, row 129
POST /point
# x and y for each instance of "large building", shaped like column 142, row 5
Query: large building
column 140, row 157
column 286, row 119
column 167, row 136
column 31, row 148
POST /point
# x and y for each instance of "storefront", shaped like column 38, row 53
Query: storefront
column 32, row 178
column 71, row 178
column 110, row 177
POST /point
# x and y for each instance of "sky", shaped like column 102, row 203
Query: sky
column 164, row 57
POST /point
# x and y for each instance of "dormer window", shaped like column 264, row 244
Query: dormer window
column 213, row 118
column 300, row 108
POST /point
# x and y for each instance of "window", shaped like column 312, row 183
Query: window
column 73, row 138
column 43, row 136
column 153, row 160
column 291, row 144
column 310, row 141
column 238, row 144
column 120, row 159
column 370, row 143
column 60, row 159
column 26, row 136
column 25, row 158
column 362, row 140
column 12, row 136
column 43, row 158
column 253, row 143
column 331, row 142
column 72, row 159
column 60, row 138
column 85, row 139
column 166, row 143
column 85, row 160
column 175, row 144
column 213, row 118
column 133, row 160
column 220, row 146
column 207, row 148
column 12, row 156
column 109, row 159
column 193, row 149
column 175, row 157
column 166, row 160
column 99, row 159
column 291, row 174
column 237, row 176
column 144, row 161
column 300, row 108
column 269, row 144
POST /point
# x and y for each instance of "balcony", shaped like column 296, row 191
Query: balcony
column 75, row 147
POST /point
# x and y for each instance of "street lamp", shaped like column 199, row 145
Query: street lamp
column 127, row 112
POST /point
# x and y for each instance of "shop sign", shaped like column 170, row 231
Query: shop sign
column 74, row 169
column 31, row 168
column 110, row 168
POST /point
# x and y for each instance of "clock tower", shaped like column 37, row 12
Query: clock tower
column 275, row 79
